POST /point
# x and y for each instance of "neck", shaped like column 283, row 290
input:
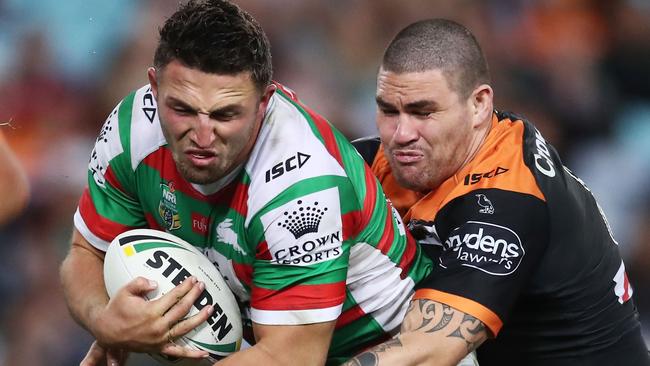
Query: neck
column 477, row 142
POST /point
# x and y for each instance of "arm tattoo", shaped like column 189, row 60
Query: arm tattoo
column 441, row 314
column 371, row 356
column 471, row 330
column 437, row 317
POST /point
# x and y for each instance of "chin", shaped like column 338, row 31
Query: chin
column 199, row 176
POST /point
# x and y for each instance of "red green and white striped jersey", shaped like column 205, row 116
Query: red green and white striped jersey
column 302, row 231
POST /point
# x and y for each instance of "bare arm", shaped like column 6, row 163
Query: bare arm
column 432, row 334
column 13, row 183
column 285, row 345
column 83, row 281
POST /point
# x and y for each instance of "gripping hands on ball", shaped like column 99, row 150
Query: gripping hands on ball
column 132, row 323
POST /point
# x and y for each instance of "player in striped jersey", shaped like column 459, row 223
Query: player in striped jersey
column 214, row 152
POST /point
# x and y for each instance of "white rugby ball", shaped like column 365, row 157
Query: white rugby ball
column 168, row 260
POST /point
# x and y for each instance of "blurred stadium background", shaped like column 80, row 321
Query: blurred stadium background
column 580, row 69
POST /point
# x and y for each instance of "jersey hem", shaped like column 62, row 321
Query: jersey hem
column 295, row 317
column 83, row 229
column 471, row 307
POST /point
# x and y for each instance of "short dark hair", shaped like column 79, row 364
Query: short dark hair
column 215, row 36
column 439, row 44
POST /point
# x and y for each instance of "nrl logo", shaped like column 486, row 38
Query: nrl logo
column 167, row 207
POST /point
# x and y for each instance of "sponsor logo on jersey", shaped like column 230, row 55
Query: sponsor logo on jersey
column 486, row 205
column 149, row 107
column 294, row 162
column 542, row 156
column 473, row 178
column 304, row 219
column 306, row 230
column 226, row 235
column 491, row 248
column 199, row 224
column 167, row 207
column 311, row 251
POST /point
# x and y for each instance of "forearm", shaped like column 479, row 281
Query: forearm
column 83, row 285
column 305, row 345
column 253, row 356
column 432, row 334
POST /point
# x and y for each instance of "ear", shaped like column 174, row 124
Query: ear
column 266, row 98
column 153, row 81
column 482, row 104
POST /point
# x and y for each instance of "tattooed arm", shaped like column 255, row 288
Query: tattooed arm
column 432, row 334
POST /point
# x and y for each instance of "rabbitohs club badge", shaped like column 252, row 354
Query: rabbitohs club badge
column 167, row 207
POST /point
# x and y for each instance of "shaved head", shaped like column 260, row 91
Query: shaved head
column 439, row 44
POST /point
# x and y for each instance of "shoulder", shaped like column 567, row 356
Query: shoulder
column 130, row 132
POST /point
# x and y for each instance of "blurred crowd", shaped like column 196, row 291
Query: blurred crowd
column 579, row 69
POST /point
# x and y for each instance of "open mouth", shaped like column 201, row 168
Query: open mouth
column 201, row 158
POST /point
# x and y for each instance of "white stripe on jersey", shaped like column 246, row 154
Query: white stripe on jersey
column 285, row 133
column 80, row 225
column 146, row 134
column 107, row 146
column 376, row 286
column 295, row 317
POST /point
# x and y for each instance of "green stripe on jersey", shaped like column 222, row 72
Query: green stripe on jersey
column 316, row 184
column 121, row 163
column 114, row 205
column 354, row 336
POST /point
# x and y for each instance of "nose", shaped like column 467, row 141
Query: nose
column 406, row 131
column 204, row 133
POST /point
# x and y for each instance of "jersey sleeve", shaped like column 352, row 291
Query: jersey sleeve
column 108, row 205
column 489, row 241
column 301, row 264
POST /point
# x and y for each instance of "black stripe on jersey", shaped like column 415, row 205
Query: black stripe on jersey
column 367, row 147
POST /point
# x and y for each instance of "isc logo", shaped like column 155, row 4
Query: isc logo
column 474, row 178
column 294, row 162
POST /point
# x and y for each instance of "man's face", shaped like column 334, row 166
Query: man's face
column 210, row 121
column 426, row 128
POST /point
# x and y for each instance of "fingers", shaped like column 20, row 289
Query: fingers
column 186, row 325
column 95, row 356
column 179, row 300
column 173, row 350
column 184, row 303
column 140, row 286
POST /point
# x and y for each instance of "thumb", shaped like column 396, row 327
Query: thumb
column 140, row 286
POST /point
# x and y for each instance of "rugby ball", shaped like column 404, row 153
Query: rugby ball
column 168, row 260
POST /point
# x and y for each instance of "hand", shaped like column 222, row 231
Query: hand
column 98, row 356
column 131, row 323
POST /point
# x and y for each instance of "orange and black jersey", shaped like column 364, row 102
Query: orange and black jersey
column 522, row 245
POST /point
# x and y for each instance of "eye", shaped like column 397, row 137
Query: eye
column 224, row 116
column 423, row 114
column 388, row 112
column 183, row 111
